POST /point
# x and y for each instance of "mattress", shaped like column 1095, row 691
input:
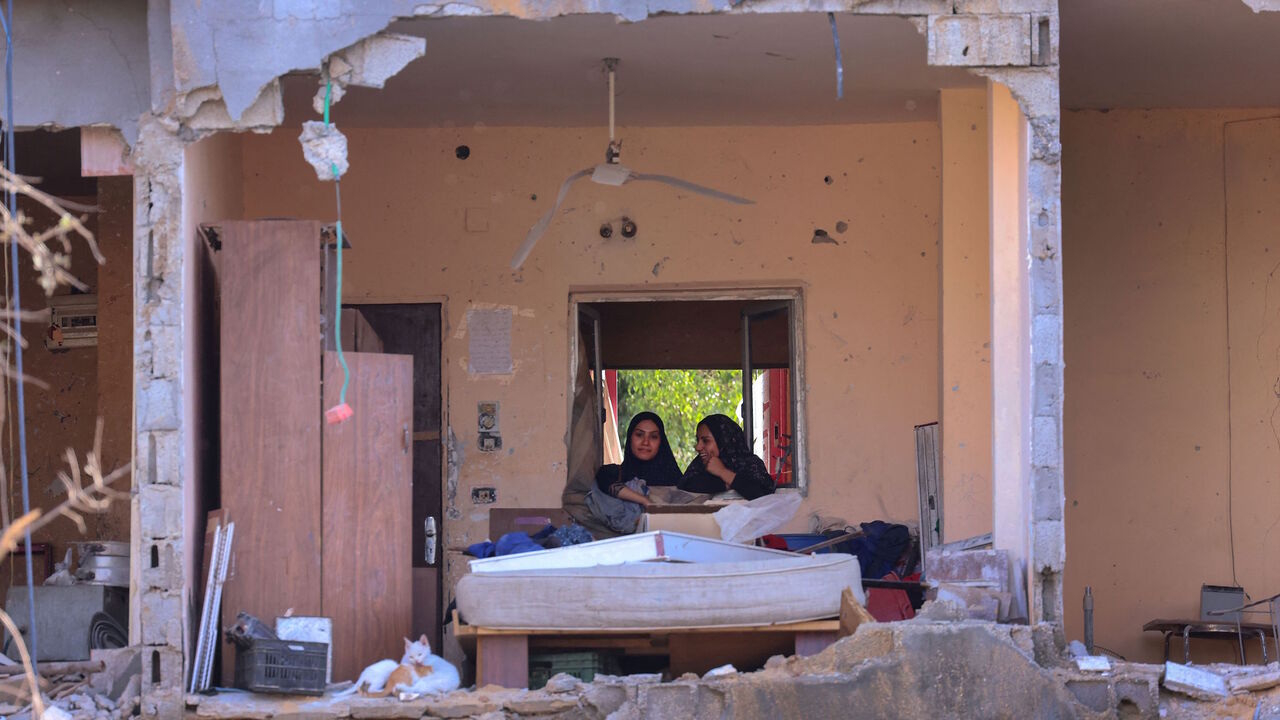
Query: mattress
column 657, row 594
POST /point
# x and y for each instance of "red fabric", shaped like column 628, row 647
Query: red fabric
column 773, row 541
column 888, row 605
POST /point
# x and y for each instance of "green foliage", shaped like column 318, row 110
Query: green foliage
column 681, row 398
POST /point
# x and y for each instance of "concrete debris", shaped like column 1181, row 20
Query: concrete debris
column 1254, row 682
column 562, row 683
column 325, row 148
column 1193, row 681
column 372, row 61
column 335, row 92
column 722, row 671
column 1093, row 663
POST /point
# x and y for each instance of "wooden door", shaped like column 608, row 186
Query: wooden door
column 366, row 587
column 414, row 329
column 269, row 370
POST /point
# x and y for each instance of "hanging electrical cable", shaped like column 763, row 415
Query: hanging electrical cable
column 15, row 302
column 342, row 410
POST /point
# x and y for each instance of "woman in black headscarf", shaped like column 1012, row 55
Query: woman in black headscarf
column 725, row 462
column 647, row 457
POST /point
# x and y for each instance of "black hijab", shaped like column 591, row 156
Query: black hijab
column 661, row 470
column 751, row 479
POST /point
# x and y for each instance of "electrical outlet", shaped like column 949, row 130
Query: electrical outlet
column 484, row 495
column 487, row 416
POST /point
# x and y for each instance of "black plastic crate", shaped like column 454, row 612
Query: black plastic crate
column 282, row 666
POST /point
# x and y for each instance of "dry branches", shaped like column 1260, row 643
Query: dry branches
column 88, row 488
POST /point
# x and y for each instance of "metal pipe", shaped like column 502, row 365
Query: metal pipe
column 1088, row 619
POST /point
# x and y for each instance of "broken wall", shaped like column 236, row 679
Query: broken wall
column 426, row 226
column 1168, row 410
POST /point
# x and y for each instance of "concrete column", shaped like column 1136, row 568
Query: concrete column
column 964, row 326
column 1011, row 332
column 161, row 437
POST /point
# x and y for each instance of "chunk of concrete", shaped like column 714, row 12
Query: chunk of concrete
column 1196, row 682
column 325, row 148
column 372, row 61
column 974, row 568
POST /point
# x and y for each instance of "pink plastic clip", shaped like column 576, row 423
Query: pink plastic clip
column 338, row 413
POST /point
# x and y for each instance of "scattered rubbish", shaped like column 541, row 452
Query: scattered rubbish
column 1093, row 663
column 1193, row 681
column 723, row 670
column 248, row 629
column 325, row 148
column 1077, row 649
column 62, row 572
column 309, row 629
column 744, row 522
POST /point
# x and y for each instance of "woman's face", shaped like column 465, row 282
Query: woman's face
column 645, row 440
column 706, row 445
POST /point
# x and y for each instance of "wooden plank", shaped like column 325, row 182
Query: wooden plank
column 270, row 417
column 529, row 520
column 368, row 585
column 503, row 661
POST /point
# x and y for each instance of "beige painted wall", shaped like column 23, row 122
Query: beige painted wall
column 1148, row 447
column 965, row 311
column 870, row 300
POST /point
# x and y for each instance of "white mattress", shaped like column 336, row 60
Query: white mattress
column 787, row 588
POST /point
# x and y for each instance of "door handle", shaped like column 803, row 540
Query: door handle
column 429, row 540
column 407, row 441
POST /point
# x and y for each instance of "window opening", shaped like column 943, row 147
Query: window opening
column 688, row 358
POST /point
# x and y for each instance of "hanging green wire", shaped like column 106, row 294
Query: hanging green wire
column 337, row 297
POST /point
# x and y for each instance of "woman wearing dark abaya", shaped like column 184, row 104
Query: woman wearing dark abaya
column 621, row 491
column 725, row 462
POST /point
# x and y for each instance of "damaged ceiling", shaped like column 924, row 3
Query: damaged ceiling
column 674, row 71
column 1168, row 54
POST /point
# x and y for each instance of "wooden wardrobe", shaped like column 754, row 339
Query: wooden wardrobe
column 322, row 516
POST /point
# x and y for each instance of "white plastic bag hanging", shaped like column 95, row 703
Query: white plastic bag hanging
column 744, row 522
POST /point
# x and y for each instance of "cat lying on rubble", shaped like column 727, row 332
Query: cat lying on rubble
column 419, row 671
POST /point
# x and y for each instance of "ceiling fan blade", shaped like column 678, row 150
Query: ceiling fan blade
column 692, row 187
column 540, row 227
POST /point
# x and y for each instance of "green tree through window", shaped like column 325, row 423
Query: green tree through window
column 681, row 398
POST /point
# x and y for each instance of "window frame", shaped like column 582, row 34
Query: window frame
column 793, row 296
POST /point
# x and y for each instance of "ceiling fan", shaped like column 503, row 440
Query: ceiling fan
column 611, row 172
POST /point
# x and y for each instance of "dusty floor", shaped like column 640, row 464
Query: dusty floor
column 917, row 669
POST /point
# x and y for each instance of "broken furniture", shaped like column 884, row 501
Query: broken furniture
column 1212, row 629
column 322, row 512
column 502, row 655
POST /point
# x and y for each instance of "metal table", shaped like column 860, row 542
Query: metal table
column 1188, row 629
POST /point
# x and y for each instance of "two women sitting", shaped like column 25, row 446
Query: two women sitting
column 724, row 462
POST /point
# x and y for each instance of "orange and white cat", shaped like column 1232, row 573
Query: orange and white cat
column 419, row 671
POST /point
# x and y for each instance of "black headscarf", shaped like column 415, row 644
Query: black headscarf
column 751, row 478
column 661, row 470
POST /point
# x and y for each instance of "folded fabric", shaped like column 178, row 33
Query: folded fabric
column 510, row 544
